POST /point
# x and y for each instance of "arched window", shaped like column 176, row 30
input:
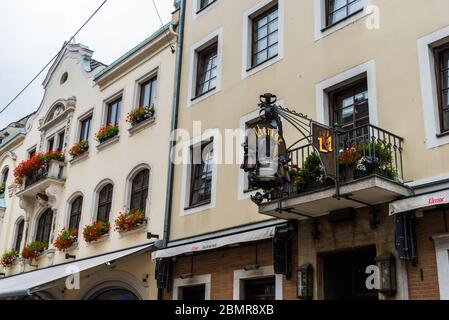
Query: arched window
column 139, row 190
column 75, row 213
column 19, row 235
column 105, row 202
column 44, row 226
column 4, row 177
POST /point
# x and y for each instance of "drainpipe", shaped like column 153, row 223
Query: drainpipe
column 174, row 123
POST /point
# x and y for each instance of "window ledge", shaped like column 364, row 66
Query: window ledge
column 102, row 239
column 196, row 206
column 342, row 20
column 257, row 68
column 79, row 158
column 108, row 142
column 443, row 134
column 139, row 229
column 141, row 126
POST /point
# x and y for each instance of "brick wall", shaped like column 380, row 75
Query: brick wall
column 423, row 278
column 221, row 264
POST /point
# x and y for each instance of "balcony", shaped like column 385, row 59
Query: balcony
column 370, row 172
column 51, row 174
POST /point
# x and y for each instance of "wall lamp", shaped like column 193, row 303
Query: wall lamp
column 69, row 256
column 152, row 236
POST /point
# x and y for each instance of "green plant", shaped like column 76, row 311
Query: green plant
column 2, row 188
column 140, row 114
column 378, row 149
column 34, row 250
column 79, row 148
column 9, row 258
column 107, row 133
column 96, row 231
column 128, row 221
column 66, row 238
column 313, row 168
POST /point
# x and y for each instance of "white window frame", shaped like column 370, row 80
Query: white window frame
column 112, row 98
column 247, row 37
column 96, row 200
column 216, row 36
column 187, row 167
column 68, row 209
column 263, row 272
column 128, row 187
column 81, row 118
column 138, row 87
column 196, row 7
column 322, row 88
column 179, row 284
column 320, row 18
column 429, row 91
column 442, row 257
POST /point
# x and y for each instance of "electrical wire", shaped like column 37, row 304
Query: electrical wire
column 52, row 59
column 172, row 47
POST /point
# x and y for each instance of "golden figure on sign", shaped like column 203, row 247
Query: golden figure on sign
column 326, row 144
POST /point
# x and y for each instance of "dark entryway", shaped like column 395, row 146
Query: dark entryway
column 194, row 293
column 115, row 294
column 260, row 289
column 344, row 274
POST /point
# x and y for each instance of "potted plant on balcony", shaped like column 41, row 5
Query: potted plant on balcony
column 349, row 161
column 106, row 133
column 130, row 220
column 96, row 231
column 79, row 149
column 38, row 163
column 140, row 114
column 34, row 250
column 9, row 258
column 66, row 239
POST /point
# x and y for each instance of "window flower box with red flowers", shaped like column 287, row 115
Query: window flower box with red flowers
column 9, row 258
column 79, row 149
column 107, row 133
column 96, row 231
column 131, row 220
column 34, row 250
column 140, row 114
column 36, row 167
column 66, row 239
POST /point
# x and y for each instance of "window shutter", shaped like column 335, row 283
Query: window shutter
column 406, row 237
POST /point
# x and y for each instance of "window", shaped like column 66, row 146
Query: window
column 442, row 70
column 113, row 112
column 338, row 10
column 61, row 137
column 349, row 105
column 265, row 37
column 85, row 129
column 139, row 190
column 44, row 226
column 105, row 202
column 260, row 289
column 194, row 293
column 148, row 92
column 206, row 78
column 51, row 144
column 19, row 235
column 4, row 176
column 201, row 174
column 75, row 213
column 31, row 153
column 204, row 4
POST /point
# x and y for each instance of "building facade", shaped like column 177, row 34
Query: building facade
column 84, row 184
column 359, row 67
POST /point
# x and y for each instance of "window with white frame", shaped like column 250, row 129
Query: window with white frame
column 263, row 36
column 203, row 4
column 333, row 15
column 205, row 67
column 433, row 55
column 85, row 127
column 196, row 288
column 199, row 173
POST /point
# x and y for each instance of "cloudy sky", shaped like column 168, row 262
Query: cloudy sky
column 32, row 32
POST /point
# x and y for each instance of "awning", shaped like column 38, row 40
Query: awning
column 27, row 283
column 211, row 244
column 419, row 202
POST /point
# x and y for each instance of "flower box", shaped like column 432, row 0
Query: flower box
column 34, row 250
column 37, row 166
column 66, row 239
column 79, row 149
column 131, row 220
column 106, row 133
column 9, row 258
column 140, row 114
column 96, row 231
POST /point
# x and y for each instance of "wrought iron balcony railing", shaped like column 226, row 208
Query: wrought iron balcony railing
column 52, row 169
column 363, row 151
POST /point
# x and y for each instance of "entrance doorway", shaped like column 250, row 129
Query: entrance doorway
column 344, row 274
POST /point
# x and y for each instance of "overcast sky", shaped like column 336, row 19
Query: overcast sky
column 32, row 32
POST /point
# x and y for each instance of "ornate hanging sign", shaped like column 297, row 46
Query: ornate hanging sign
column 324, row 141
